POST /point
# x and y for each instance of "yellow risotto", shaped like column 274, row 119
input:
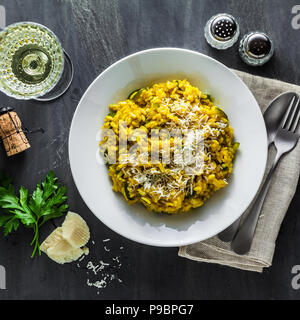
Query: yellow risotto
column 171, row 182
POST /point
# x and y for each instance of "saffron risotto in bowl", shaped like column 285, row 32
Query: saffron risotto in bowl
column 200, row 180
column 169, row 186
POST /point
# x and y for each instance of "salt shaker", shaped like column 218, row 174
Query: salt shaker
column 222, row 31
column 256, row 48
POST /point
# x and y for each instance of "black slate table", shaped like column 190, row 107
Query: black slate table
column 97, row 33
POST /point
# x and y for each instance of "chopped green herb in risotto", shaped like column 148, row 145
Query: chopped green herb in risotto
column 168, row 186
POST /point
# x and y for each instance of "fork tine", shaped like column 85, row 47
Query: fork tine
column 297, row 128
column 291, row 118
column 287, row 113
column 296, row 120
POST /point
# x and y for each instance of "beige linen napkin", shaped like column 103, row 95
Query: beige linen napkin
column 280, row 194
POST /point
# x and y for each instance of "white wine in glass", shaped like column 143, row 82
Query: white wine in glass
column 31, row 60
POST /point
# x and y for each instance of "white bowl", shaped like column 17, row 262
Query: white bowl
column 135, row 222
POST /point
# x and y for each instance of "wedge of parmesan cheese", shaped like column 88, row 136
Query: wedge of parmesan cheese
column 66, row 244
column 75, row 230
column 53, row 240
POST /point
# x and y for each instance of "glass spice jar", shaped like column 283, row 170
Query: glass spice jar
column 222, row 31
column 256, row 48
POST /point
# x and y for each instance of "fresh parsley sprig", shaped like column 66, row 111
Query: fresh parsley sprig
column 46, row 202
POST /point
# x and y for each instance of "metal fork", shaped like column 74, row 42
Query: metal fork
column 285, row 140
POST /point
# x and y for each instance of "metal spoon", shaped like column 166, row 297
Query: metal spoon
column 272, row 116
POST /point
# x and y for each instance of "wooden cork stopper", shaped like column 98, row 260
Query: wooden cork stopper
column 11, row 132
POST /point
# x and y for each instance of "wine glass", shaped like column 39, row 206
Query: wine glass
column 31, row 61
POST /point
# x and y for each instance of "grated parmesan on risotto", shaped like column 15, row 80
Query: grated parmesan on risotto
column 189, row 167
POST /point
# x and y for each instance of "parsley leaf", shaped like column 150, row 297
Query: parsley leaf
column 46, row 202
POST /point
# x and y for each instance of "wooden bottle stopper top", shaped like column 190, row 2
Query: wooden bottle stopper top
column 11, row 132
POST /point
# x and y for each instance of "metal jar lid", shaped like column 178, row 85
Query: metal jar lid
column 222, row 31
column 4, row 110
column 256, row 48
